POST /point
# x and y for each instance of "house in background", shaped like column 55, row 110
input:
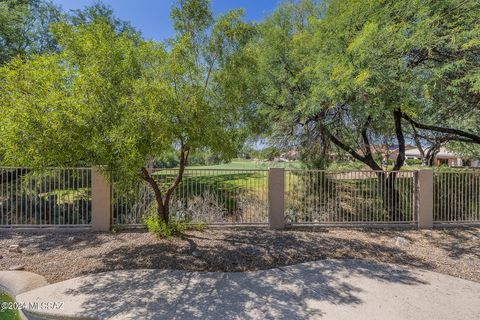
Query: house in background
column 291, row 155
column 444, row 157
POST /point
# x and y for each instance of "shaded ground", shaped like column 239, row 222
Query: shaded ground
column 61, row 256
column 324, row 289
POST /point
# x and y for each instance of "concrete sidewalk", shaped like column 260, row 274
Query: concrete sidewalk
column 328, row 289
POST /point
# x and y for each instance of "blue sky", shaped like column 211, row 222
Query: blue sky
column 152, row 16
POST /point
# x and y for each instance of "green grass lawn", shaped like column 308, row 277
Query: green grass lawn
column 5, row 312
column 242, row 164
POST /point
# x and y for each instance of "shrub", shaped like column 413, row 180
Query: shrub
column 157, row 226
column 174, row 228
column 413, row 162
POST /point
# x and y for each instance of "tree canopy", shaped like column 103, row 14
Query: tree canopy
column 351, row 74
column 24, row 27
column 110, row 98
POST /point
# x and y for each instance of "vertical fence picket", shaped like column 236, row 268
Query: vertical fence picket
column 61, row 197
column 51, row 197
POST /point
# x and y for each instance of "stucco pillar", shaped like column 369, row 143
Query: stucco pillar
column 424, row 198
column 276, row 198
column 101, row 201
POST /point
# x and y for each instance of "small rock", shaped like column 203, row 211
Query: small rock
column 196, row 253
column 1, row 257
column 17, row 267
column 15, row 248
column 401, row 242
column 427, row 233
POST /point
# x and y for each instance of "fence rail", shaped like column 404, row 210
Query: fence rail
column 355, row 197
column 211, row 196
column 51, row 197
column 63, row 197
column 456, row 197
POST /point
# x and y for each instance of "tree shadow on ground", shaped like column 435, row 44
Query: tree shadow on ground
column 287, row 293
column 252, row 249
column 41, row 240
column 467, row 242
column 230, row 250
column 456, row 241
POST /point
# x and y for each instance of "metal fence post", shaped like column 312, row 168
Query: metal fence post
column 101, row 201
column 424, row 198
column 276, row 198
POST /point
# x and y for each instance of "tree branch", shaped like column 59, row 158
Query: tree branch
column 473, row 137
column 184, row 151
column 416, row 138
column 368, row 161
column 366, row 140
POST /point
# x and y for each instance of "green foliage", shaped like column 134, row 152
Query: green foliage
column 24, row 28
column 267, row 153
column 156, row 225
column 100, row 11
column 413, row 162
column 274, row 78
column 377, row 57
column 198, row 226
column 70, row 108
column 344, row 68
column 251, row 164
column 466, row 150
column 88, row 89
column 346, row 166
column 197, row 158
column 110, row 98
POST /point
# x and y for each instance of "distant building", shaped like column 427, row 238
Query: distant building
column 384, row 152
column 291, row 155
column 444, row 157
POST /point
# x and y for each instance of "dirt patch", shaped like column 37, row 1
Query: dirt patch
column 61, row 256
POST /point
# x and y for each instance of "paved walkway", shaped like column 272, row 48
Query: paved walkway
column 328, row 289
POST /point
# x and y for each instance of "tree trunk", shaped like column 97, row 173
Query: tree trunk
column 390, row 195
column 432, row 153
column 158, row 194
column 183, row 163
column 163, row 203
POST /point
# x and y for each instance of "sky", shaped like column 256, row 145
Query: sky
column 151, row 17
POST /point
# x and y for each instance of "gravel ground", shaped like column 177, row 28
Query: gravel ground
column 61, row 256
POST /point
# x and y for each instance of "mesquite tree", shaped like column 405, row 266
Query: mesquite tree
column 110, row 98
column 199, row 113
column 353, row 74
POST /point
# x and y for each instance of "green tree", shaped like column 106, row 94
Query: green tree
column 197, row 117
column 100, row 11
column 24, row 27
column 380, row 64
column 276, row 78
column 109, row 98
column 356, row 74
